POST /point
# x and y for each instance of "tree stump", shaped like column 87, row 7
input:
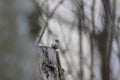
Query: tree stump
column 49, row 64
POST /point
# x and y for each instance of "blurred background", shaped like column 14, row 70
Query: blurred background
column 88, row 31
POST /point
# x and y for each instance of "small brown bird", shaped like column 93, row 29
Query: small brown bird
column 55, row 44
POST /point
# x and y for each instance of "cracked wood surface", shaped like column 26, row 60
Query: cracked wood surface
column 49, row 64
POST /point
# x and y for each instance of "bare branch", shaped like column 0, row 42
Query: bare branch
column 46, row 24
column 92, row 35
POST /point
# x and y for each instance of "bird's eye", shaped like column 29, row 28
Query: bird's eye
column 57, row 40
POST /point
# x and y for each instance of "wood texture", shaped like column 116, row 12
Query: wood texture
column 49, row 64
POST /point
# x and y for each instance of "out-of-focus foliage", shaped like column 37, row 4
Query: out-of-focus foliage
column 34, row 21
column 18, row 21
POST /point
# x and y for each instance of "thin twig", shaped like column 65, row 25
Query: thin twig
column 91, row 41
column 46, row 24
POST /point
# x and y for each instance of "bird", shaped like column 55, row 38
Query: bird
column 55, row 44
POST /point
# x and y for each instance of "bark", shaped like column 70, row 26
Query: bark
column 49, row 64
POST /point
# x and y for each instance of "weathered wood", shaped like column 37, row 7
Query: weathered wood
column 49, row 64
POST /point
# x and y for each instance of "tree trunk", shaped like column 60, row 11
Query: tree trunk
column 105, row 39
column 81, row 25
column 49, row 64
